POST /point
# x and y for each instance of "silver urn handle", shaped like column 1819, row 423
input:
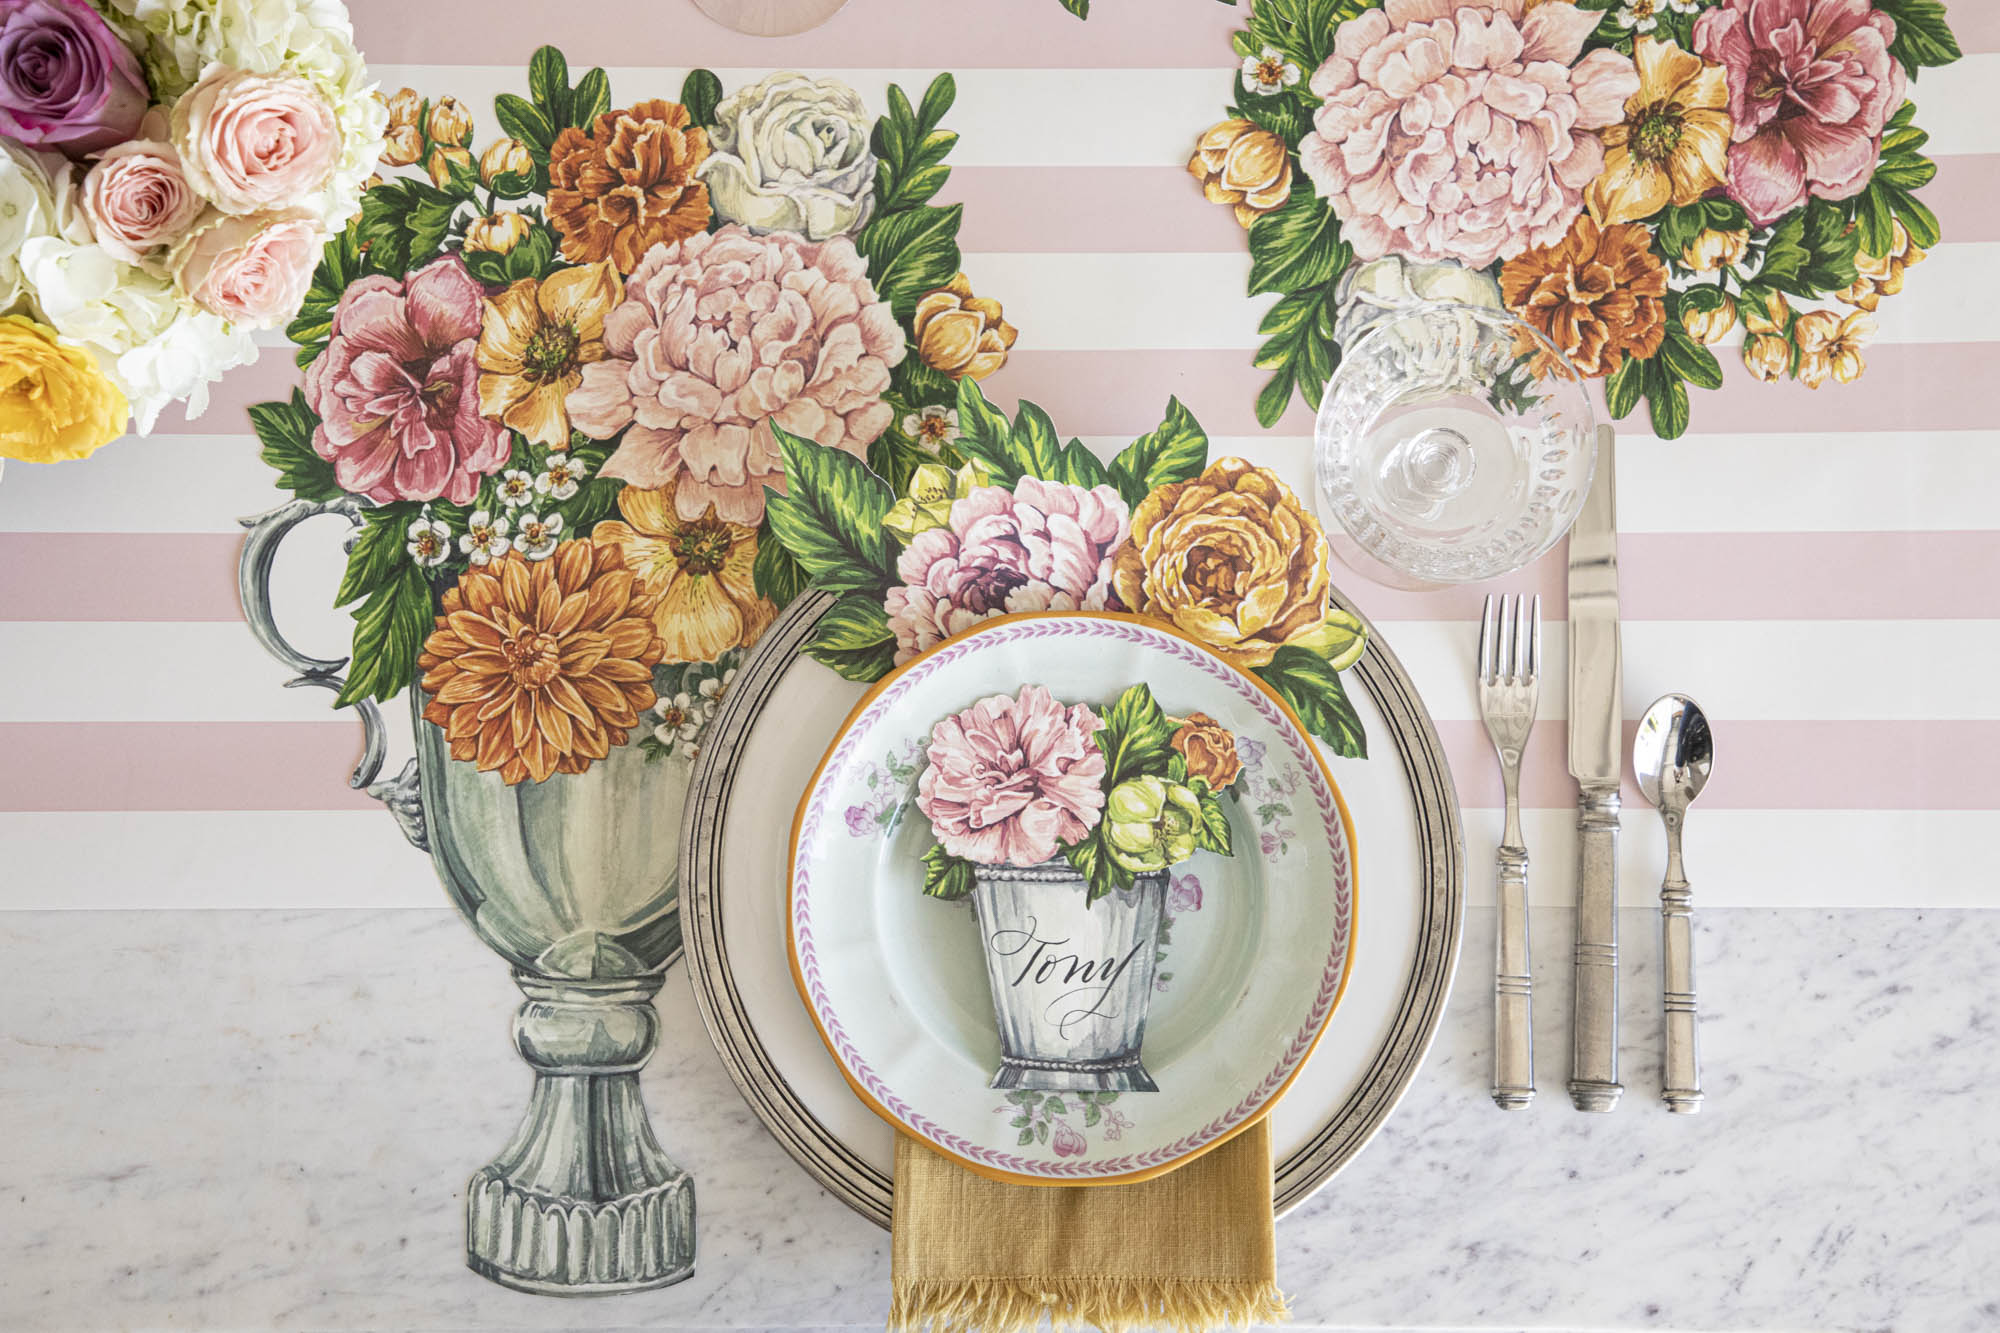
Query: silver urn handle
column 267, row 532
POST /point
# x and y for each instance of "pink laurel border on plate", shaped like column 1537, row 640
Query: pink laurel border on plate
column 1295, row 1051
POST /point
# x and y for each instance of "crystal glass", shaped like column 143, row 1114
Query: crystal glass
column 1455, row 443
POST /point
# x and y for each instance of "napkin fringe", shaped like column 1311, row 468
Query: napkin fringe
column 1111, row 1304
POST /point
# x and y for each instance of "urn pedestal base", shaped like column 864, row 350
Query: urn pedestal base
column 583, row 1201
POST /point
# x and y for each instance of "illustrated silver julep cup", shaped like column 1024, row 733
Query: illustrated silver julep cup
column 1072, row 980
column 572, row 881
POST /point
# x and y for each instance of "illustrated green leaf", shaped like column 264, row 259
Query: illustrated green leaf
column 1176, row 451
column 404, row 223
column 548, row 84
column 524, row 121
column 377, row 552
column 1297, row 246
column 285, row 431
column 701, row 92
column 854, row 638
column 831, row 517
column 389, row 631
column 590, row 99
column 1687, row 359
column 1029, row 447
column 776, row 574
column 1666, row 401
column 1811, row 252
column 1213, row 835
column 946, row 876
column 1315, row 692
column 910, row 147
column 910, row 254
column 1080, row 8
column 1923, row 38
column 1136, row 737
column 1300, row 350
column 341, row 263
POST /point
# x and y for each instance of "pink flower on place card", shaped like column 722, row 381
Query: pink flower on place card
column 1811, row 85
column 1011, row 781
column 1462, row 129
column 1065, row 1140
column 1044, row 546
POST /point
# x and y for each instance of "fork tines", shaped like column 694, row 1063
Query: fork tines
column 1510, row 643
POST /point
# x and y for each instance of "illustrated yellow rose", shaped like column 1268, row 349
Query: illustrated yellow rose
column 1231, row 559
column 55, row 404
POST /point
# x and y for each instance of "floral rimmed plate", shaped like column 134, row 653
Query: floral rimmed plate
column 1051, row 1011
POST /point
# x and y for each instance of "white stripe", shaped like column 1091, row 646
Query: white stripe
column 293, row 860
column 1766, row 671
column 1107, row 117
column 163, row 483
column 1759, row 858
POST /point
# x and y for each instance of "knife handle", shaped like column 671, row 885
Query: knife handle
column 1593, row 1083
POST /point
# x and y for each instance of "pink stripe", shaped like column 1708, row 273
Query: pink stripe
column 868, row 34
column 304, row 766
column 1962, row 196
column 1917, row 387
column 1771, row 766
column 1663, row 576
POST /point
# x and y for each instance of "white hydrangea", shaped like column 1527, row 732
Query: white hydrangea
column 177, row 40
column 36, row 195
column 145, row 340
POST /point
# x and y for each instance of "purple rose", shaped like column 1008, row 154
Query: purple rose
column 1045, row 546
column 66, row 81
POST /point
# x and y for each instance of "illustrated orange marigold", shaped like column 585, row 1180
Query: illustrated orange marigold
column 1599, row 294
column 629, row 184
column 541, row 667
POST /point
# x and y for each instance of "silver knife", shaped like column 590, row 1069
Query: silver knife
column 1596, row 761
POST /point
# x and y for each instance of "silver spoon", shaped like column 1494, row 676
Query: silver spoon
column 1672, row 755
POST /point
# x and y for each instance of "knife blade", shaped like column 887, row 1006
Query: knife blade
column 1596, row 761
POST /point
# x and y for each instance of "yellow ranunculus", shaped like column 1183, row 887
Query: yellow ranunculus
column 934, row 489
column 1231, row 559
column 55, row 404
column 1673, row 145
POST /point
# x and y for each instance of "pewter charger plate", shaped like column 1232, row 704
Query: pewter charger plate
column 776, row 721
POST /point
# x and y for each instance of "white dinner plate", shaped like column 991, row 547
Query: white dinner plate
column 1143, row 1029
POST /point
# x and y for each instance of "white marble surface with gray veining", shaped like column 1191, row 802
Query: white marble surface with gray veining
column 262, row 1120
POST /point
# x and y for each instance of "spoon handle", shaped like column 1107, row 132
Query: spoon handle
column 1681, row 1075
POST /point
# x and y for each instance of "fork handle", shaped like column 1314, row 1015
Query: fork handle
column 1513, row 987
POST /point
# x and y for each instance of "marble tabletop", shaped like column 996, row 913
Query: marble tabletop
column 264, row 1120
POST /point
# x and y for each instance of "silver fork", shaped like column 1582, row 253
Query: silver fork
column 1510, row 668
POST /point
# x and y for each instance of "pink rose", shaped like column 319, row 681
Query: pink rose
column 397, row 390
column 1044, row 546
column 66, row 81
column 1010, row 781
column 250, row 270
column 251, row 142
column 718, row 337
column 1461, row 129
column 1811, row 84
column 137, row 199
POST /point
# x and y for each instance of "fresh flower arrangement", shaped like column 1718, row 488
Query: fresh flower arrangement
column 562, row 379
column 1117, row 793
column 169, row 170
column 1630, row 177
column 1007, row 518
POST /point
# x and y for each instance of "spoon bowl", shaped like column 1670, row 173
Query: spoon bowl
column 1673, row 752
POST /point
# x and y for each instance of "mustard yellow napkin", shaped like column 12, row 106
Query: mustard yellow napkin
column 1190, row 1251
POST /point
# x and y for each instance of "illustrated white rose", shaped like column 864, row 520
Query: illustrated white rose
column 34, row 201
column 791, row 154
column 1370, row 293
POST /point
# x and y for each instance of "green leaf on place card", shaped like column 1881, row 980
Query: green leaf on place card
column 946, row 876
column 1316, row 694
column 285, row 431
column 1177, row 451
column 1136, row 737
column 389, row 632
column 701, row 93
column 854, row 638
column 830, row 519
column 1213, row 835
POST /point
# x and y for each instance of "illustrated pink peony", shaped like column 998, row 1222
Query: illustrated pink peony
column 397, row 390
column 1045, row 546
column 1811, row 84
column 1462, row 129
column 1010, row 781
column 721, row 335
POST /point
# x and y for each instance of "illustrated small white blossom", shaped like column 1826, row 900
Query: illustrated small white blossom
column 932, row 428
column 712, row 689
column 1269, row 72
column 681, row 720
column 430, row 541
column 1644, row 15
column 485, row 537
column 560, row 478
column 537, row 536
column 516, row 488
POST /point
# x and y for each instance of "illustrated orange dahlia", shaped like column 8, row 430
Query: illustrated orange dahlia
column 1599, row 294
column 541, row 667
column 629, row 184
